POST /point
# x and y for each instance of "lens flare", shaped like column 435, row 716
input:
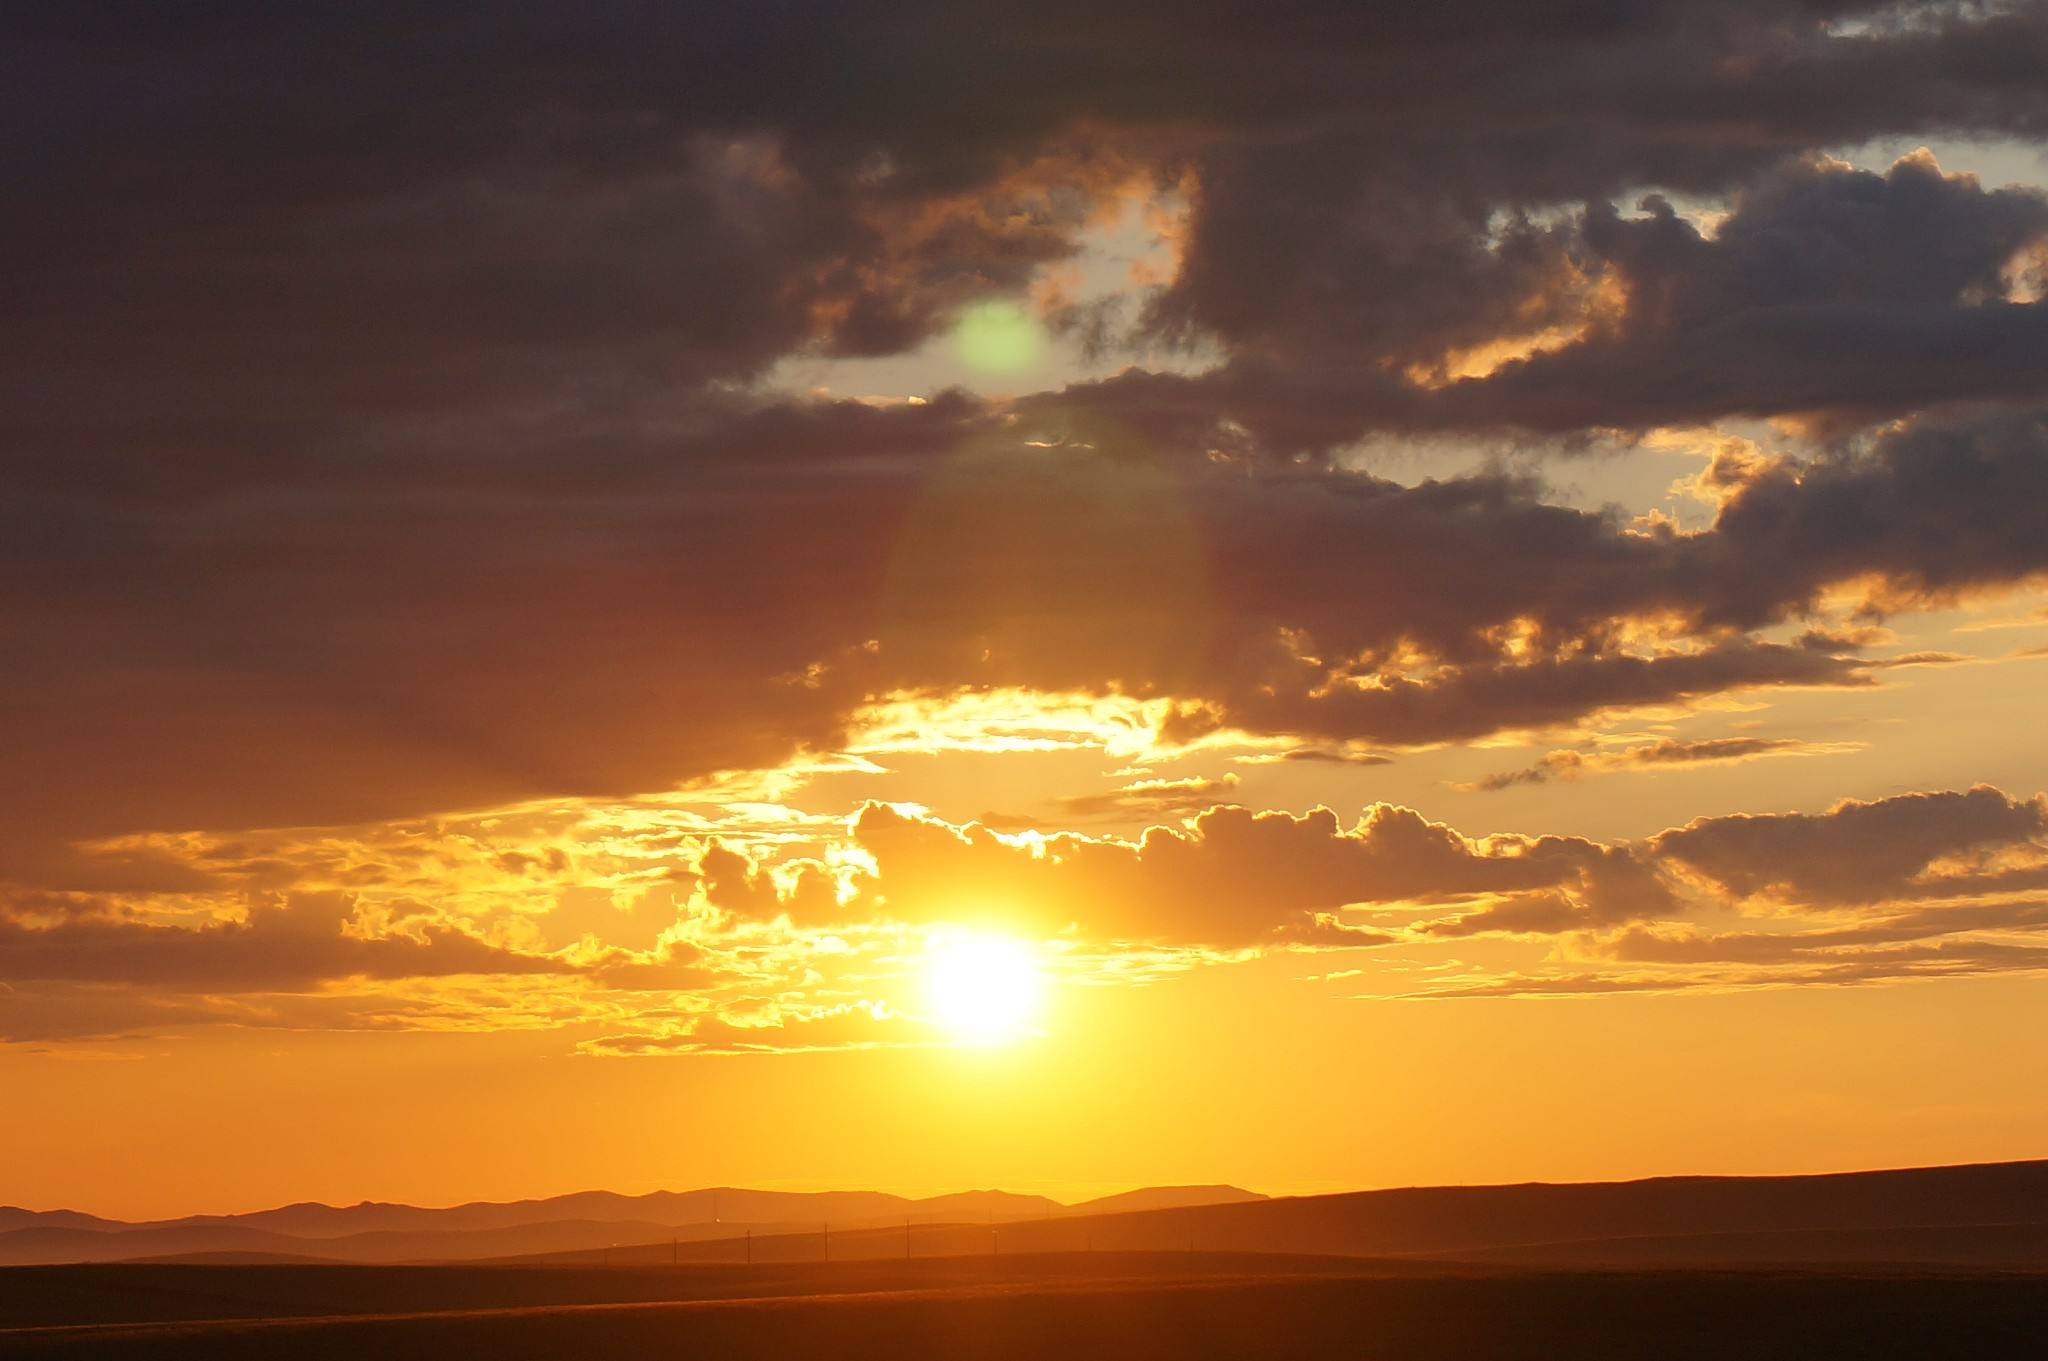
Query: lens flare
column 998, row 337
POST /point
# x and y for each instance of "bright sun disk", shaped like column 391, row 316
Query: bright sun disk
column 985, row 989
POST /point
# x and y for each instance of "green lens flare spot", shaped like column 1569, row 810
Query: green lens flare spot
column 998, row 337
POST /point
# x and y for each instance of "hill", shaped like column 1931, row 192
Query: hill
column 586, row 1222
column 1985, row 1215
column 1989, row 1215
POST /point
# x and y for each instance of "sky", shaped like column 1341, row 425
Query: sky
column 914, row 596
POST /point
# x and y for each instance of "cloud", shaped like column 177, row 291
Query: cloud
column 1316, row 755
column 1942, row 959
column 306, row 665
column 299, row 942
column 382, row 441
column 761, row 942
column 1666, row 753
column 1856, row 852
column 1825, row 289
column 849, row 1026
column 1230, row 878
column 1151, row 798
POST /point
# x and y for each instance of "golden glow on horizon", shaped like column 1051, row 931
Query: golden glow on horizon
column 984, row 989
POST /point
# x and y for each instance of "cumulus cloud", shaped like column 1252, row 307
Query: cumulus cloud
column 1230, row 878
column 1857, row 852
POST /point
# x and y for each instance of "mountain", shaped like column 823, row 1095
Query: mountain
column 46, row 1243
column 1994, row 1211
column 672, row 1208
column 13, row 1217
column 586, row 1221
column 1992, row 1214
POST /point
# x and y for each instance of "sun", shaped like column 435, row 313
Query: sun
column 984, row 989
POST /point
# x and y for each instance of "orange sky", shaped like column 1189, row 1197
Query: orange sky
column 1445, row 617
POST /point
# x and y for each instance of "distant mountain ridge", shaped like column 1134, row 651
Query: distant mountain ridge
column 377, row 1231
column 1977, row 1215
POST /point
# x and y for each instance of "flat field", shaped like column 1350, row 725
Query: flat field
column 1066, row 1307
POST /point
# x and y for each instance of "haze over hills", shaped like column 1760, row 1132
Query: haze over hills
column 1979, row 1215
column 381, row 1232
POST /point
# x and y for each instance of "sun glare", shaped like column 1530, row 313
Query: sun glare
column 984, row 989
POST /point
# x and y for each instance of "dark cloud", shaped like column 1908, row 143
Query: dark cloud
column 1316, row 756
column 266, row 236
column 1937, row 508
column 1826, row 289
column 1855, row 852
column 321, row 653
column 1478, row 699
column 292, row 945
column 378, row 437
column 1829, row 293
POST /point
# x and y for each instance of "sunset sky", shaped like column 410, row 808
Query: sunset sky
column 1057, row 596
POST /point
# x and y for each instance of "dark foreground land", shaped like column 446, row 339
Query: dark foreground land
column 1065, row 1306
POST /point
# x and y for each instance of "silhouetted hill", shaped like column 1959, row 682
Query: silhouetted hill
column 1164, row 1198
column 231, row 1259
column 1525, row 1222
column 1992, row 1215
column 1987, row 1214
column 584, row 1221
column 27, row 1247
column 669, row 1208
column 13, row 1217
column 1989, row 1246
